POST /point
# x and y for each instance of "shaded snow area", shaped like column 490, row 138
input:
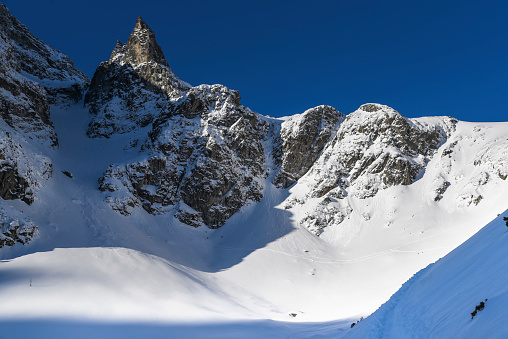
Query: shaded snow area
column 92, row 272
column 463, row 295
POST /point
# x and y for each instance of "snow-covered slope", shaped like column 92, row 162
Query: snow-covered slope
column 440, row 300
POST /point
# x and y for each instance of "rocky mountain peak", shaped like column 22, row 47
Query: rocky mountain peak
column 142, row 46
column 140, row 24
column 33, row 78
column 135, row 85
column 118, row 51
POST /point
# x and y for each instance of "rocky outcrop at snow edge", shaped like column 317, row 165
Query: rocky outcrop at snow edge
column 15, row 227
column 205, row 160
column 373, row 149
column 302, row 137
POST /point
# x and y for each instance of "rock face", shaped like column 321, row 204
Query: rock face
column 204, row 151
column 33, row 76
column 133, row 87
column 15, row 228
column 23, row 170
column 373, row 149
column 303, row 137
column 206, row 161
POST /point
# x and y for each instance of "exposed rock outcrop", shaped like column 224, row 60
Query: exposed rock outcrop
column 23, row 170
column 33, row 76
column 303, row 137
column 15, row 227
column 374, row 148
column 207, row 160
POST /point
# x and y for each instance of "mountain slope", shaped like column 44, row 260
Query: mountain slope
column 438, row 301
column 261, row 257
column 33, row 76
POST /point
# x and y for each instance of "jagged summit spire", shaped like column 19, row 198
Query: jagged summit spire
column 142, row 46
column 140, row 24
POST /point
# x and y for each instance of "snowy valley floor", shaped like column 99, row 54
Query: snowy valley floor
column 120, row 293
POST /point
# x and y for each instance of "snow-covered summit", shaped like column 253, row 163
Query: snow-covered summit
column 374, row 148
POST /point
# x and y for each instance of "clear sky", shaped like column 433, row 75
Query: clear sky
column 422, row 58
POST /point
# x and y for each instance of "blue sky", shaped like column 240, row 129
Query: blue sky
column 419, row 57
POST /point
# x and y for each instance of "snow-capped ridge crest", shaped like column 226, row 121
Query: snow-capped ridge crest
column 27, row 58
column 373, row 110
